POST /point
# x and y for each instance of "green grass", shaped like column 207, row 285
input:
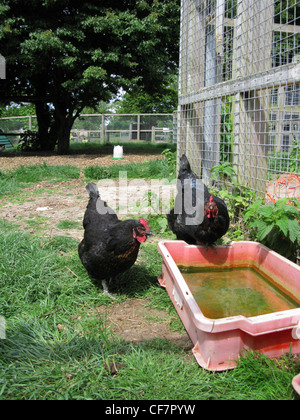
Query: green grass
column 157, row 169
column 36, row 173
column 58, row 347
column 68, row 224
column 14, row 180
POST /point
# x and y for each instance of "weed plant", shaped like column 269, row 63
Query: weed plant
column 276, row 225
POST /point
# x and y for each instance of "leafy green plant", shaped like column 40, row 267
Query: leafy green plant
column 236, row 232
column 294, row 163
column 276, row 225
column 224, row 172
column 236, row 196
column 29, row 140
column 159, row 225
column 171, row 160
column 226, row 126
column 157, row 215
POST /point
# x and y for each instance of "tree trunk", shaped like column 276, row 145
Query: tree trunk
column 55, row 126
column 47, row 140
column 64, row 133
column 64, row 118
column 53, row 133
column 43, row 122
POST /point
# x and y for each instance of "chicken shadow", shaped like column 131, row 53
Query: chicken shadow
column 132, row 282
column 218, row 254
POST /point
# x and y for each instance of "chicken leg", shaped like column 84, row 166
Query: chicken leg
column 105, row 289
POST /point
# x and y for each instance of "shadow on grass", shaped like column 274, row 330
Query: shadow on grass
column 134, row 282
column 137, row 148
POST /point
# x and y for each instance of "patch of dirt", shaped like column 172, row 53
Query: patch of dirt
column 46, row 206
column 78, row 160
column 42, row 206
column 136, row 322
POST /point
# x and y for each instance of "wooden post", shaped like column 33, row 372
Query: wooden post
column 191, row 80
column 138, row 134
column 213, row 75
column 280, row 119
column 102, row 129
column 153, row 134
column 252, row 55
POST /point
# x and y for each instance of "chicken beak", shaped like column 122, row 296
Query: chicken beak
column 148, row 233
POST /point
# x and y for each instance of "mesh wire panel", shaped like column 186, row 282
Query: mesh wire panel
column 239, row 92
column 124, row 127
column 107, row 127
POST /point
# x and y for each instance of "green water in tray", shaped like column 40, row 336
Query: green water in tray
column 226, row 292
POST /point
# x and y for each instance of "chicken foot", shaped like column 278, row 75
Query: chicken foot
column 105, row 289
column 211, row 246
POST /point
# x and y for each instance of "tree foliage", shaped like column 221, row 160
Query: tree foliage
column 136, row 100
column 68, row 54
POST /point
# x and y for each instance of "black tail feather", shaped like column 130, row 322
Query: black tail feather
column 93, row 191
column 184, row 164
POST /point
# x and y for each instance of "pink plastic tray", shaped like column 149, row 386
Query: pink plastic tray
column 296, row 383
column 218, row 343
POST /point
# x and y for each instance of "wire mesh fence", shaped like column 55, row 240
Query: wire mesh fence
column 103, row 128
column 239, row 92
column 124, row 127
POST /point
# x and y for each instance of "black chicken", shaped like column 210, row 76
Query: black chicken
column 214, row 220
column 110, row 246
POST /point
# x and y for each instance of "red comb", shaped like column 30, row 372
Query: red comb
column 144, row 223
column 211, row 199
